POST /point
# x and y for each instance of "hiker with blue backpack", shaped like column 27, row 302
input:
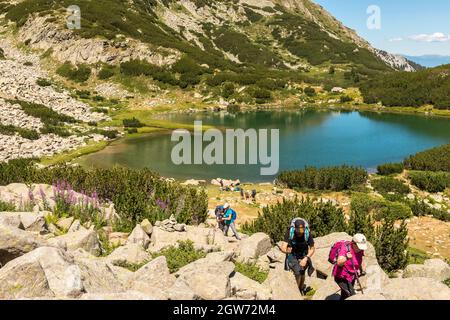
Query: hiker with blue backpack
column 298, row 245
column 229, row 218
column 347, row 257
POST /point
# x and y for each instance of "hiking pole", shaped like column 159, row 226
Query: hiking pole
column 357, row 278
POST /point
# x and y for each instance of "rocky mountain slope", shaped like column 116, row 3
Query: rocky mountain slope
column 287, row 34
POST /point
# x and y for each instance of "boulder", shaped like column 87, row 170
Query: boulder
column 181, row 291
column 15, row 242
column 83, row 239
column 253, row 247
column 97, row 274
column 209, row 277
column 76, row 226
column 433, row 268
column 32, row 221
column 329, row 290
column 283, row 285
column 130, row 254
column 139, row 236
column 64, row 223
column 11, row 219
column 374, row 280
column 44, row 272
column 245, row 288
column 153, row 279
column 147, row 227
column 416, row 289
column 203, row 238
column 117, row 238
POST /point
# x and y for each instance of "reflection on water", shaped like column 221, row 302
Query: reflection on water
column 307, row 138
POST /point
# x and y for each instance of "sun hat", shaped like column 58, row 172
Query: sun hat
column 360, row 240
column 226, row 205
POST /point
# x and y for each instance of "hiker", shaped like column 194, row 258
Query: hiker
column 348, row 256
column 298, row 245
column 219, row 212
column 229, row 218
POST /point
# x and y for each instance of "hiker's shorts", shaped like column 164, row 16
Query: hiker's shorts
column 294, row 265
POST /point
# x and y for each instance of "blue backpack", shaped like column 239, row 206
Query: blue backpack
column 233, row 214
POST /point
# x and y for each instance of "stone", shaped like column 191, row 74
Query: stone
column 181, row 291
column 32, row 221
column 97, row 274
column 253, row 247
column 154, row 279
column 130, row 254
column 416, row 289
column 15, row 242
column 248, row 289
column 118, row 238
column 328, row 290
column 76, row 226
column 367, row 296
column 83, row 239
column 180, row 227
column 433, row 268
column 209, row 277
column 64, row 223
column 139, row 236
column 44, row 272
column 282, row 285
column 147, row 227
column 11, row 219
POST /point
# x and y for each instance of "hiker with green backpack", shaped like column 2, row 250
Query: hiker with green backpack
column 298, row 245
column 347, row 257
column 229, row 218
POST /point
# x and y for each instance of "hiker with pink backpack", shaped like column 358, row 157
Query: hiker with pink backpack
column 347, row 257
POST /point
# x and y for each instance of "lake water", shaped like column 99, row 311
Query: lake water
column 306, row 138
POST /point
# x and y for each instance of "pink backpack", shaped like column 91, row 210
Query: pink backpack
column 334, row 251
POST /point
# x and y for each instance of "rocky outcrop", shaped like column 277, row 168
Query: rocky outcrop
column 248, row 289
column 83, row 239
column 282, row 285
column 433, row 268
column 45, row 272
column 252, row 248
column 416, row 289
column 15, row 242
column 139, row 236
column 67, row 46
column 130, row 254
column 153, row 279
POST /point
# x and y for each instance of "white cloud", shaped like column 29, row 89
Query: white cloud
column 435, row 37
column 396, row 39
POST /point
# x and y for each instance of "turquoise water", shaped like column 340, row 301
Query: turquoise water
column 307, row 138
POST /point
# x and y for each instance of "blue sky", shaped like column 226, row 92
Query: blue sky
column 411, row 27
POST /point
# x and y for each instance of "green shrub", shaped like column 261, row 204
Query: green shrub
column 10, row 130
column 436, row 159
column 136, row 194
column 227, row 90
column 178, row 257
column 106, row 72
column 417, row 256
column 387, row 184
column 345, row 99
column 430, row 181
column 419, row 208
column 251, row 271
column 233, row 108
column 390, row 168
column 391, row 244
column 309, row 91
column 80, row 73
column 447, row 282
column 43, row 82
column 7, row 207
column 132, row 130
column 331, row 178
column 132, row 123
column 58, row 130
column 110, row 134
column 379, row 208
column 323, row 218
column 46, row 115
column 2, row 54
